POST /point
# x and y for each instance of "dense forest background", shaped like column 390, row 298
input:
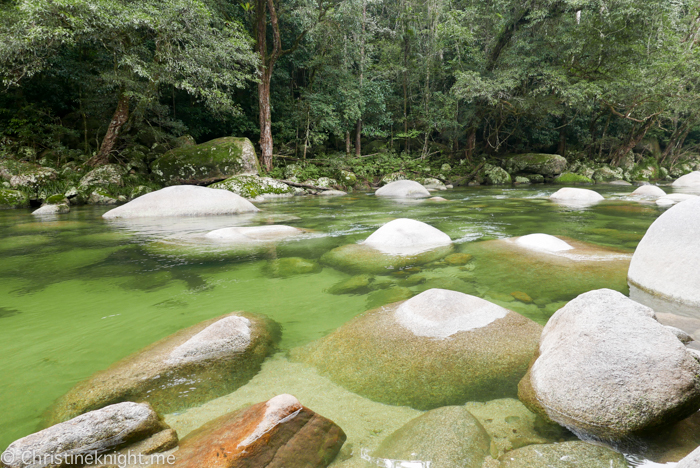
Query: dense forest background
column 86, row 81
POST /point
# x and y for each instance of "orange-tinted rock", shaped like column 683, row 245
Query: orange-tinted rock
column 279, row 433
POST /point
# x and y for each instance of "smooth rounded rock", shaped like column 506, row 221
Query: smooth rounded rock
column 576, row 196
column 666, row 263
column 280, row 432
column 543, row 242
column 649, row 191
column 194, row 365
column 98, row 431
column 446, row 437
column 691, row 180
column 253, row 234
column 673, row 198
column 607, row 369
column 51, row 210
column 691, row 461
column 406, row 237
column 563, row 455
column 403, row 189
column 183, row 200
column 438, row 348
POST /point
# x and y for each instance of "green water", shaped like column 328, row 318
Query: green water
column 78, row 293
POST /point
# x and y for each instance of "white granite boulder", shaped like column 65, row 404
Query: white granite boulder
column 403, row 189
column 246, row 235
column 98, row 431
column 607, row 369
column 666, row 263
column 691, row 461
column 576, row 196
column 48, row 210
column 673, row 198
column 691, row 180
column 183, row 200
column 405, row 236
column 438, row 348
column 649, row 191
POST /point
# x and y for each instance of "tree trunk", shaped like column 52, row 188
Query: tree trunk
column 358, row 138
column 471, row 144
column 632, row 142
column 347, row 142
column 265, row 120
column 121, row 115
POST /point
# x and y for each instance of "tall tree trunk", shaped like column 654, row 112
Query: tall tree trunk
column 347, row 142
column 121, row 115
column 265, row 120
column 358, row 138
column 358, row 135
column 632, row 141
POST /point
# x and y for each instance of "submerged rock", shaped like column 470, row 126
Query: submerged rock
column 666, row 262
column 253, row 186
column 446, row 437
column 291, row 266
column 575, row 454
column 691, row 180
column 403, row 189
column 354, row 284
column 673, row 198
column 649, row 191
column 98, row 431
column 207, row 162
column 253, row 234
column 608, row 370
column 194, row 365
column 332, row 193
column 276, row 433
column 397, row 244
column 438, row 348
column 576, row 196
column 183, row 200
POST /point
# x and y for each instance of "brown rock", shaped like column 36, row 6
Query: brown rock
column 279, row 433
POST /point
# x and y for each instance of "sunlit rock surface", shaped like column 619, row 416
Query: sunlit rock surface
column 649, row 191
column 277, row 433
column 666, row 264
column 439, row 348
column 608, row 370
column 561, row 455
column 253, row 234
column 691, row 180
column 189, row 367
column 183, row 200
column 576, row 197
column 397, row 244
column 403, row 189
column 673, row 199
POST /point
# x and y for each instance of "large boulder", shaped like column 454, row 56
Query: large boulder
column 548, row 165
column 439, row 348
column 666, row 261
column 103, row 176
column 91, row 433
column 183, row 200
column 255, row 187
column 254, row 234
column 13, row 199
column 494, row 175
column 651, row 191
column 277, row 433
column 208, row 162
column 691, row 180
column 576, row 197
column 397, row 244
column 574, row 454
column 194, row 365
column 673, row 198
column 607, row 369
column 403, row 189
column 28, row 178
column 447, row 437
column 608, row 174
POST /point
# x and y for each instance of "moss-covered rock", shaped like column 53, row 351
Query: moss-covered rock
column 607, row 174
column 290, row 266
column 520, row 180
column 354, row 284
column 536, row 163
column 103, row 176
column 347, row 178
column 393, row 177
column 438, row 348
column 569, row 178
column 100, row 196
column 31, row 179
column 253, row 186
column 139, row 190
column 207, row 162
column 433, row 184
column 535, row 178
column 447, row 437
column 494, row 175
column 194, row 365
column 13, row 199
column 645, row 171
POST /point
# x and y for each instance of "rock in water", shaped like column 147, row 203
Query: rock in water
column 253, row 234
column 403, row 189
column 397, row 244
column 691, row 461
column 278, row 433
column 52, row 210
column 649, row 191
column 608, row 370
column 534, row 163
column 666, row 263
column 691, row 180
column 439, row 348
column 543, row 243
column 194, row 365
column 576, row 196
column 95, row 432
column 208, row 162
column 254, row 187
column 446, row 437
column 183, row 200
column 673, row 198
column 564, row 455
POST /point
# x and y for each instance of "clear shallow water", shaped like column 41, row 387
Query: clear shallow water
column 78, row 293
